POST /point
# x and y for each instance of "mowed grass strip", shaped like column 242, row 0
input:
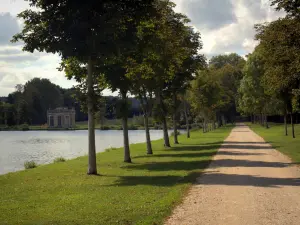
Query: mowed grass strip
column 276, row 137
column 143, row 192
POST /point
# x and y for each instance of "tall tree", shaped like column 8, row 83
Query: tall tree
column 254, row 98
column 229, row 69
column 279, row 46
column 84, row 30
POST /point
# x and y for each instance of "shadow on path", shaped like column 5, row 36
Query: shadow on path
column 246, row 180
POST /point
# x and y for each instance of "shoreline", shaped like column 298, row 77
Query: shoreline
column 54, row 191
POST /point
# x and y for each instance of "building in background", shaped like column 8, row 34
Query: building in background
column 61, row 118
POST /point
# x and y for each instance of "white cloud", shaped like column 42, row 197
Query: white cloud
column 225, row 25
column 231, row 30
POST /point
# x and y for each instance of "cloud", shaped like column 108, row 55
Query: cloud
column 17, row 66
column 9, row 26
column 227, row 25
column 209, row 14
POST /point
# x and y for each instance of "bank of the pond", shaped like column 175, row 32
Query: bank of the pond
column 276, row 137
column 143, row 192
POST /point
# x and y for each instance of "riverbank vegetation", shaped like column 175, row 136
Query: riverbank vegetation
column 144, row 192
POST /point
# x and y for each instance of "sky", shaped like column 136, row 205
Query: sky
column 226, row 26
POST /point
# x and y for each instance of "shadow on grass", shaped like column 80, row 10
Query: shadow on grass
column 201, row 164
column 171, row 166
column 196, row 155
column 162, row 181
column 207, row 179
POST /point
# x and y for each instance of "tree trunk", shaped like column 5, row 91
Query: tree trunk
column 285, row 124
column 266, row 122
column 127, row 157
column 92, row 168
column 148, row 139
column 164, row 121
column 186, row 120
column 165, row 130
column 175, row 129
column 175, row 119
column 292, row 123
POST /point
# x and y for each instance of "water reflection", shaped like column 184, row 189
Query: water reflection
column 43, row 147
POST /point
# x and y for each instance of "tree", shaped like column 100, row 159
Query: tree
column 192, row 62
column 229, row 69
column 204, row 95
column 79, row 29
column 291, row 7
column 253, row 97
column 279, row 46
column 159, row 54
column 40, row 95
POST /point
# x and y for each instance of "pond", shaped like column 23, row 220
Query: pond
column 43, row 147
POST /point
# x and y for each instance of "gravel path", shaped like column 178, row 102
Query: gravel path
column 248, row 183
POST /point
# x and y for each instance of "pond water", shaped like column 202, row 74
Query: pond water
column 43, row 147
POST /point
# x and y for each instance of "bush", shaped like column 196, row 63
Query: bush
column 30, row 165
column 178, row 133
column 110, row 149
column 105, row 128
column 24, row 127
column 132, row 127
column 59, row 159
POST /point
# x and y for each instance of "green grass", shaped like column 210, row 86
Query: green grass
column 143, row 192
column 276, row 137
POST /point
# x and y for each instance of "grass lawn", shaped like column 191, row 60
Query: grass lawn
column 275, row 136
column 143, row 192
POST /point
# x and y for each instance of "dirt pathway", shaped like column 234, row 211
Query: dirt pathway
column 248, row 183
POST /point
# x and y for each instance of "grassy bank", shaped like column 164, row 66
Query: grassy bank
column 143, row 192
column 275, row 136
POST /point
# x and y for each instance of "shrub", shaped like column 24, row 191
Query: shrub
column 30, row 165
column 105, row 127
column 24, row 127
column 178, row 133
column 110, row 149
column 59, row 159
column 132, row 127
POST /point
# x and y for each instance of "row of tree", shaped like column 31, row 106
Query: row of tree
column 271, row 81
column 139, row 47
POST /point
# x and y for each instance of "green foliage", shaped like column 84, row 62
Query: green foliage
column 30, row 165
column 232, row 59
column 204, row 94
column 59, row 159
column 253, row 95
column 279, row 47
column 158, row 182
column 291, row 7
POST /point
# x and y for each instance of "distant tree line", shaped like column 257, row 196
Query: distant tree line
column 29, row 103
